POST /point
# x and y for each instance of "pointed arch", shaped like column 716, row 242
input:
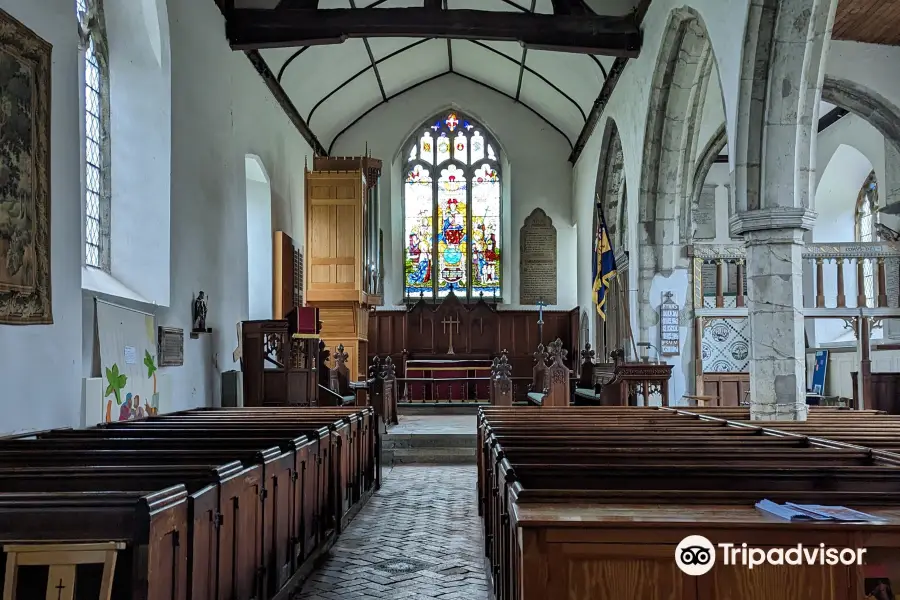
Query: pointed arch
column 452, row 202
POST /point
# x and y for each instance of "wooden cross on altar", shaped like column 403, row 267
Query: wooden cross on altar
column 451, row 321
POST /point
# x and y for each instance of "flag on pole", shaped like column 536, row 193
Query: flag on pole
column 604, row 266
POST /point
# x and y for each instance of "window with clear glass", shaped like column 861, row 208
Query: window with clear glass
column 96, row 153
column 865, row 230
column 451, row 194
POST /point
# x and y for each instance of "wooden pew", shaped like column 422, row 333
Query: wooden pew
column 551, row 383
column 151, row 524
column 583, row 494
column 501, row 382
column 286, row 489
column 589, row 387
column 339, row 379
column 383, row 393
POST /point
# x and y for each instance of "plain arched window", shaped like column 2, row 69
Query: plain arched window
column 865, row 229
column 96, row 133
column 451, row 198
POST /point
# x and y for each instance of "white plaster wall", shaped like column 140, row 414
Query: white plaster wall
column 221, row 111
column 537, row 174
column 141, row 139
column 39, row 364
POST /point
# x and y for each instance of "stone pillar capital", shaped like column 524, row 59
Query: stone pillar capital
column 775, row 217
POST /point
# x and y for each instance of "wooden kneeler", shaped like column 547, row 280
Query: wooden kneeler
column 62, row 559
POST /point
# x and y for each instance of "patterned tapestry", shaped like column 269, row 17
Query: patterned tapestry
column 24, row 175
column 726, row 345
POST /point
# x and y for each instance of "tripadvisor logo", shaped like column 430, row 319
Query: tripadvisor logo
column 695, row 555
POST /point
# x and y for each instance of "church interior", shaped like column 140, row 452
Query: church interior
column 450, row 299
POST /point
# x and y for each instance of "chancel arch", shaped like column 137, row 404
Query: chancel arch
column 611, row 332
column 452, row 201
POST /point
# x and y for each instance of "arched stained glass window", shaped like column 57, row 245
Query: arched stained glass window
column 451, row 197
column 865, row 230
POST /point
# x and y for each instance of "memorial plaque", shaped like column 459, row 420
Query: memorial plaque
column 537, row 259
column 670, row 333
column 705, row 215
column 171, row 347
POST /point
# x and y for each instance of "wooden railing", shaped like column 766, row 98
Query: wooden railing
column 833, row 267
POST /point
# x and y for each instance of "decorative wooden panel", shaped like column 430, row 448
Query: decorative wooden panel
column 483, row 332
column 285, row 276
column 871, row 21
column 728, row 388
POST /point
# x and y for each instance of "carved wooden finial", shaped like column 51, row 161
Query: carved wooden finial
column 588, row 353
column 389, row 367
column 558, row 354
column 340, row 357
column 541, row 354
column 375, row 368
column 504, row 369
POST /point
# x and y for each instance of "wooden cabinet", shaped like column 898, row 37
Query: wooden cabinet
column 342, row 252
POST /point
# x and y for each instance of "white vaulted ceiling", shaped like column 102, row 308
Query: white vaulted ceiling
column 333, row 86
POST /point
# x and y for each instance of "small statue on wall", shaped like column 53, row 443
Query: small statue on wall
column 200, row 312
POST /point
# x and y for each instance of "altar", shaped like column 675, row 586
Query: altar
column 448, row 380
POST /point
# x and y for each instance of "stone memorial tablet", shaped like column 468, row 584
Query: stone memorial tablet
column 705, row 215
column 171, row 347
column 537, row 259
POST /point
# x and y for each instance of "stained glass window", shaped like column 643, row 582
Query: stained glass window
column 452, row 200
column 96, row 149
column 865, row 230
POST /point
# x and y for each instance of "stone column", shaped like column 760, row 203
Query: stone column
column 775, row 305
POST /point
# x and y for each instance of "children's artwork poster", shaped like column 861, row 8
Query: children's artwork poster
column 128, row 364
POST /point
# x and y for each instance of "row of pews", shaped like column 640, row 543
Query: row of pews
column 591, row 503
column 208, row 504
column 618, row 383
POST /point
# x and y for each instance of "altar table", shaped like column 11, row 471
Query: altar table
column 467, row 380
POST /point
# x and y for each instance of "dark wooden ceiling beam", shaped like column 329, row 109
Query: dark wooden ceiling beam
column 284, row 101
column 250, row 29
column 609, row 85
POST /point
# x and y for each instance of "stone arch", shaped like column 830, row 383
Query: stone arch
column 611, row 185
column 676, row 104
column 610, row 334
column 704, row 163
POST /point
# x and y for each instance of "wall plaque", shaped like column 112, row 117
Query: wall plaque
column 669, row 336
column 705, row 215
column 537, row 259
column 171, row 347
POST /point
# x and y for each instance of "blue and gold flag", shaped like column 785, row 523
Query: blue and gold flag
column 604, row 263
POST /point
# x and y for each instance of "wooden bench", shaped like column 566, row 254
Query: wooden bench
column 589, row 387
column 261, row 494
column 596, row 495
column 551, row 377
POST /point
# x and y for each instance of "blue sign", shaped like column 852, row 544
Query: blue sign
column 818, row 378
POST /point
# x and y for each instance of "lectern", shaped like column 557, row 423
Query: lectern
column 343, row 253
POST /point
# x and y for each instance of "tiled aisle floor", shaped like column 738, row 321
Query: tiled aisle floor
column 419, row 538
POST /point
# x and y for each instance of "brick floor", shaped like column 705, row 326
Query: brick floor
column 419, row 538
